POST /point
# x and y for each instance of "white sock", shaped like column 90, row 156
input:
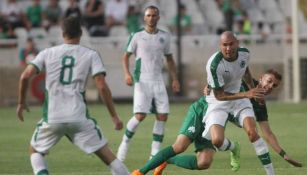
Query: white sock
column 118, row 168
column 262, row 152
column 132, row 124
column 124, row 145
column 38, row 162
column 227, row 145
column 158, row 129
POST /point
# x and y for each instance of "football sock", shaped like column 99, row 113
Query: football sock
column 39, row 164
column 262, row 152
column 158, row 134
column 132, row 125
column 130, row 130
column 184, row 161
column 158, row 159
column 118, row 168
column 227, row 145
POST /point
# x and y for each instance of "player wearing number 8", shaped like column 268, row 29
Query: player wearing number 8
column 65, row 112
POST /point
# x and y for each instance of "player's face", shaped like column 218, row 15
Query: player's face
column 229, row 47
column 268, row 82
column 151, row 17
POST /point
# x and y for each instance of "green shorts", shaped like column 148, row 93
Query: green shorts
column 192, row 127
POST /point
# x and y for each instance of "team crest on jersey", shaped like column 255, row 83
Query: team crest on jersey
column 191, row 129
column 161, row 40
column 242, row 64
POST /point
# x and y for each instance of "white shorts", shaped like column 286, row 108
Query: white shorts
column 147, row 92
column 217, row 113
column 86, row 135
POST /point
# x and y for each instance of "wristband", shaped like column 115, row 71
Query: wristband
column 282, row 153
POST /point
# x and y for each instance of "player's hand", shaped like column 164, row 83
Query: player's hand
column 176, row 86
column 292, row 161
column 129, row 79
column 207, row 90
column 257, row 93
column 19, row 111
column 118, row 123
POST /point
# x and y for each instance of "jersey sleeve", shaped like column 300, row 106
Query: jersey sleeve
column 131, row 45
column 39, row 61
column 167, row 47
column 215, row 78
column 97, row 66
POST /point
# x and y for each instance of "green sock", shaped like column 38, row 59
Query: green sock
column 43, row 172
column 265, row 158
column 158, row 159
column 185, row 161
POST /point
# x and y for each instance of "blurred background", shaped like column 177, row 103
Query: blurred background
column 275, row 32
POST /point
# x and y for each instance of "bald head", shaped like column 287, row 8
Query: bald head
column 228, row 35
column 229, row 45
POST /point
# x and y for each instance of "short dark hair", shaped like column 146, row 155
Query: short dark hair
column 71, row 27
column 152, row 7
column 276, row 74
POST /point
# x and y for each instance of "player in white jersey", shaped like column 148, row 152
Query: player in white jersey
column 225, row 70
column 65, row 113
column 150, row 47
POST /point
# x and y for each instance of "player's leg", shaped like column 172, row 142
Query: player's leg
column 259, row 144
column 181, row 144
column 115, row 165
column 131, row 128
column 161, row 105
column 38, row 163
column 44, row 137
column 141, row 106
column 205, row 153
column 247, row 120
column 88, row 136
column 158, row 133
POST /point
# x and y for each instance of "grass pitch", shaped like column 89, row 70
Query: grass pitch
column 288, row 122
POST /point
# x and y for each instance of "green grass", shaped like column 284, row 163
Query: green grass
column 288, row 121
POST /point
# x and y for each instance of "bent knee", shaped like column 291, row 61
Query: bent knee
column 203, row 165
column 217, row 142
column 252, row 135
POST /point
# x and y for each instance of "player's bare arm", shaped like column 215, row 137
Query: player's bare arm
column 221, row 95
column 271, row 139
column 127, row 74
column 173, row 72
column 106, row 95
column 22, row 90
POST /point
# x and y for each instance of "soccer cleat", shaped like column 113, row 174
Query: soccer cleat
column 160, row 168
column 122, row 151
column 235, row 157
column 136, row 172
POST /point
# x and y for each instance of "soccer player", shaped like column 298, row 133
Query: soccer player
column 64, row 111
column 149, row 45
column 225, row 71
column 191, row 131
column 268, row 81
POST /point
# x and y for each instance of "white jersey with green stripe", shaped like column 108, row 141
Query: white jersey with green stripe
column 67, row 68
column 150, row 51
column 222, row 73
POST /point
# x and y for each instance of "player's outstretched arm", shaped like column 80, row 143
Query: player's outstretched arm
column 22, row 90
column 106, row 95
column 272, row 140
